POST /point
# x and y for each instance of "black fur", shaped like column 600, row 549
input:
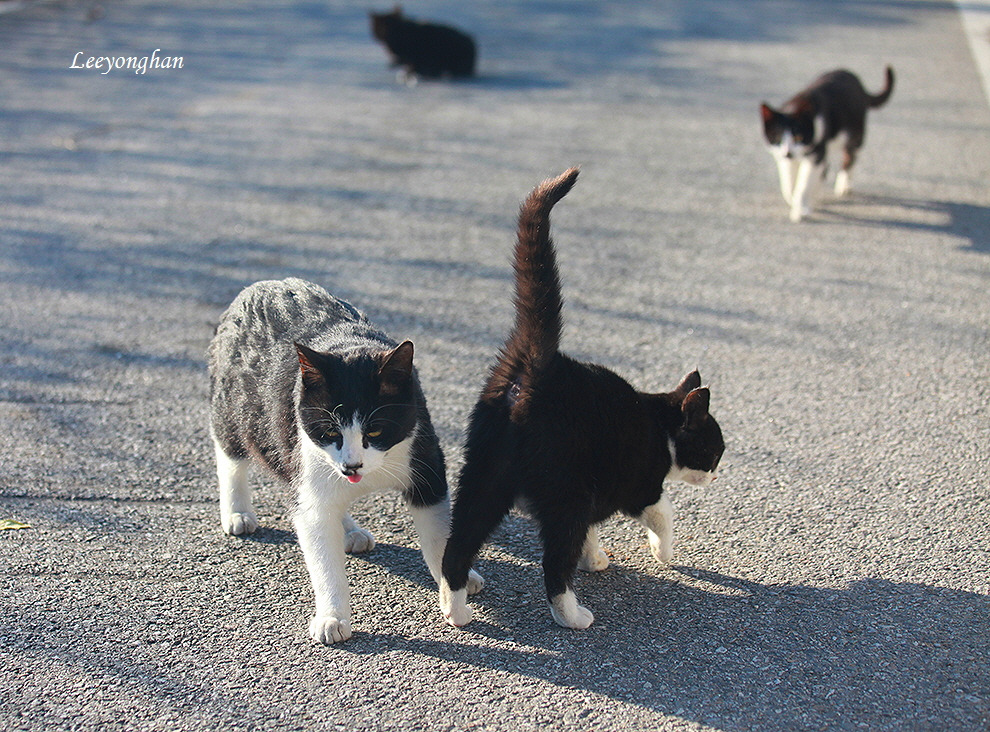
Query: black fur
column 427, row 50
column 573, row 442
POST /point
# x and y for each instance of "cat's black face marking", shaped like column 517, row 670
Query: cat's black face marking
column 794, row 133
column 373, row 393
column 698, row 445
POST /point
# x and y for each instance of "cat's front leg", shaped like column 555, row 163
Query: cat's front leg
column 237, row 515
column 785, row 172
column 843, row 185
column 356, row 539
column 659, row 522
column 799, row 209
column 321, row 538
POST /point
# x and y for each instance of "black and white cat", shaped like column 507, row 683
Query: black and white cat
column 799, row 132
column 571, row 443
column 303, row 384
column 424, row 50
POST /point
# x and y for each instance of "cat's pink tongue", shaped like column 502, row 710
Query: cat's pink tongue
column 354, row 478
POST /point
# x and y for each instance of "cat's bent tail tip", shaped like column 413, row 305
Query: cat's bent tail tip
column 569, row 176
column 553, row 189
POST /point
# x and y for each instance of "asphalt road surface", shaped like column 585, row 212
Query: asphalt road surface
column 835, row 577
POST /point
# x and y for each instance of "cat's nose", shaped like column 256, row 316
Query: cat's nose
column 352, row 469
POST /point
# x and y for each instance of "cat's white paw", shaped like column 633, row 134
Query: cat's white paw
column 454, row 606
column 799, row 212
column 662, row 548
column 327, row 629
column 238, row 524
column 475, row 583
column 596, row 561
column 566, row 612
column 358, row 540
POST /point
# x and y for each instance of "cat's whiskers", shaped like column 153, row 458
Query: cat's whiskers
column 419, row 461
column 333, row 419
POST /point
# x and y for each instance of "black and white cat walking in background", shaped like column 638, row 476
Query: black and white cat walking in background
column 569, row 442
column 831, row 108
column 303, row 384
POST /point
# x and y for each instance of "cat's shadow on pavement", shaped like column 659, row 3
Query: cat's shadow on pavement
column 964, row 220
column 728, row 651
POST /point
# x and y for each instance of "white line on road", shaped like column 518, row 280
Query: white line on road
column 976, row 23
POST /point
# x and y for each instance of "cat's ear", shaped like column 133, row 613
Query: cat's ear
column 695, row 408
column 766, row 112
column 308, row 359
column 689, row 382
column 396, row 367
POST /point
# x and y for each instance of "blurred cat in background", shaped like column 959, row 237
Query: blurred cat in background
column 799, row 133
column 424, row 50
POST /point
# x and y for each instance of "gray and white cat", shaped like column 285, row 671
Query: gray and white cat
column 303, row 384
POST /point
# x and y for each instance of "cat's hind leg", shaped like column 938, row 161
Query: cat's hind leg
column 593, row 558
column 564, row 538
column 483, row 500
column 659, row 522
column 564, row 607
column 356, row 539
column 237, row 515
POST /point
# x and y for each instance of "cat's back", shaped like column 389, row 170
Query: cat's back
column 288, row 307
column 293, row 309
column 838, row 87
column 579, row 397
column 588, row 423
column 268, row 317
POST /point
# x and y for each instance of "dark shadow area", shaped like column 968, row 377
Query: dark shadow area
column 963, row 220
column 740, row 655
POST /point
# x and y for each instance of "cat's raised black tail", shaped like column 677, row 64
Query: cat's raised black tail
column 878, row 100
column 535, row 337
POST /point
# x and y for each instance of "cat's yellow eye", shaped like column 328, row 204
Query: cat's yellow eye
column 333, row 435
column 374, row 433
